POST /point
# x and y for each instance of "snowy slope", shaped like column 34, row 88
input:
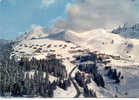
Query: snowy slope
column 66, row 36
column 103, row 41
column 35, row 33
column 28, row 48
column 128, row 31
column 100, row 40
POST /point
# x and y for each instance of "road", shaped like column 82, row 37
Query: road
column 76, row 87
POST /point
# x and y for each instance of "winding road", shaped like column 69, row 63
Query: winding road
column 76, row 87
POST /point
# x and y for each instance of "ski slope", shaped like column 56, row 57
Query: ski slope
column 67, row 44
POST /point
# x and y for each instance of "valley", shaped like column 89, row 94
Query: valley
column 79, row 64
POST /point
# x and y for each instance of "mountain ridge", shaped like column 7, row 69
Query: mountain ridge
column 122, row 54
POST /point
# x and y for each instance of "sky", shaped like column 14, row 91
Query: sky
column 18, row 16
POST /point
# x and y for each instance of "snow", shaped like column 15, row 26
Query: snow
column 103, row 41
column 70, row 92
column 100, row 40
column 36, row 32
column 128, row 31
column 60, row 51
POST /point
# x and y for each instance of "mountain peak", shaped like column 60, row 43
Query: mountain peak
column 128, row 31
column 34, row 33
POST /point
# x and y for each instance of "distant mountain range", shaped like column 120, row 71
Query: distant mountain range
column 3, row 41
column 128, row 31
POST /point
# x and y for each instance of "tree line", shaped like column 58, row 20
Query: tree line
column 16, row 79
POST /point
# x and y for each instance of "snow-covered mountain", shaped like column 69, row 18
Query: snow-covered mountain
column 34, row 33
column 128, row 31
column 68, row 44
column 65, row 36
column 103, row 41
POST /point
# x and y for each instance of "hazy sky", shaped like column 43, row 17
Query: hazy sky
column 18, row 16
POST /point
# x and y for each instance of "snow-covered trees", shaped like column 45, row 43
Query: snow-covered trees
column 16, row 81
column 16, row 78
column 91, row 69
column 90, row 57
column 89, row 93
column 52, row 65
column 99, row 80
column 79, row 79
column 64, row 84
column 113, row 74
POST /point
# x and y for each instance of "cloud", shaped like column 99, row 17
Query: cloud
column 47, row 3
column 91, row 14
column 11, row 2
